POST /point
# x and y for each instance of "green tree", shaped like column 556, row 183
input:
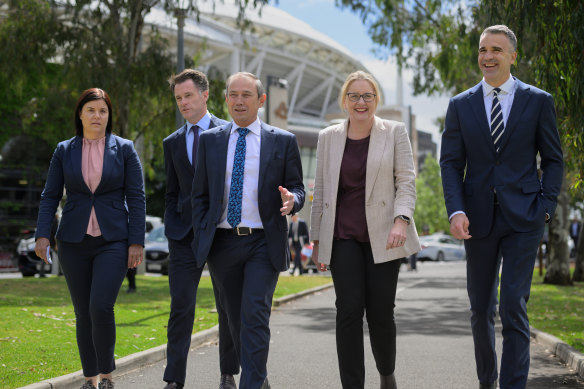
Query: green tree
column 430, row 209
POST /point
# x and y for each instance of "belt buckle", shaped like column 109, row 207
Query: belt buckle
column 239, row 231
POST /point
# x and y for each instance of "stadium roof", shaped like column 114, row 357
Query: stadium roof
column 278, row 45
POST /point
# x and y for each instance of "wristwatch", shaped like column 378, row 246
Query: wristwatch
column 404, row 218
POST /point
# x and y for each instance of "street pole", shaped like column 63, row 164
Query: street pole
column 180, row 14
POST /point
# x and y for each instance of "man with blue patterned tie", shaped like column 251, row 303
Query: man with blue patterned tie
column 191, row 91
column 493, row 134
column 248, row 178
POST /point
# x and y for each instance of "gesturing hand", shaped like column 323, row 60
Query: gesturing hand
column 287, row 200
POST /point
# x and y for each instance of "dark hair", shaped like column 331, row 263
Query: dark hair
column 259, row 86
column 199, row 79
column 88, row 95
column 502, row 29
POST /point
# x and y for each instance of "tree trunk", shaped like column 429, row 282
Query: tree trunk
column 579, row 269
column 558, row 266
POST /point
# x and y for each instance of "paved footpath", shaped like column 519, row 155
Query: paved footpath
column 434, row 343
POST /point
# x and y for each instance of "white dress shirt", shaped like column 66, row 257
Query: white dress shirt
column 505, row 98
column 203, row 124
column 250, row 214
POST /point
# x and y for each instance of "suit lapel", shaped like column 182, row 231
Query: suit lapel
column 477, row 103
column 520, row 100
column 76, row 152
column 219, row 152
column 181, row 148
column 337, row 149
column 377, row 144
column 109, row 156
column 267, row 142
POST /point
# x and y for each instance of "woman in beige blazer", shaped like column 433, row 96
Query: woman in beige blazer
column 361, row 225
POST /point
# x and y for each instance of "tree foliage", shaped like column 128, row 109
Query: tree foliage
column 430, row 209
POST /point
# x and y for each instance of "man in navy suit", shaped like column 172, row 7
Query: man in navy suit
column 191, row 91
column 248, row 178
column 497, row 202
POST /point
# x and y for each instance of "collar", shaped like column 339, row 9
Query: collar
column 255, row 127
column 507, row 88
column 203, row 123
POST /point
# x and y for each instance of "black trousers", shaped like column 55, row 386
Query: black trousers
column 94, row 270
column 361, row 286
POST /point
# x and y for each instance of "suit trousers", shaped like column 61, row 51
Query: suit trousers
column 94, row 270
column 297, row 257
column 517, row 252
column 183, row 280
column 246, row 280
column 363, row 286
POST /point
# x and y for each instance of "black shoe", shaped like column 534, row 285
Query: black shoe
column 387, row 381
column 491, row 386
column 173, row 385
column 227, row 382
column 131, row 290
column 106, row 384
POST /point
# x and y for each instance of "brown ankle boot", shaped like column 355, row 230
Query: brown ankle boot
column 387, row 381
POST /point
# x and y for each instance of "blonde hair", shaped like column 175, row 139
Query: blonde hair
column 358, row 75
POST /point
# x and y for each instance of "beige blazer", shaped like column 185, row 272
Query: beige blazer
column 390, row 188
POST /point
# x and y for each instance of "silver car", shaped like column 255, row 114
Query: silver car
column 441, row 247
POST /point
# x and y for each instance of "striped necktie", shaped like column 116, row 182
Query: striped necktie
column 497, row 126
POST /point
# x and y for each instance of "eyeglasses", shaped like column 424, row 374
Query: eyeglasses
column 367, row 97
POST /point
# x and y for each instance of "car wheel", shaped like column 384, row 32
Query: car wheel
column 440, row 256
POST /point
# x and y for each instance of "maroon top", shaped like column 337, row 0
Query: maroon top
column 350, row 220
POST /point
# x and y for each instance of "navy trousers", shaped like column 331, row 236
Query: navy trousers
column 94, row 270
column 517, row 252
column 361, row 286
column 183, row 279
column 246, row 281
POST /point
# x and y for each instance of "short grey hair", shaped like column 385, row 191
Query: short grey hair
column 502, row 29
column 259, row 86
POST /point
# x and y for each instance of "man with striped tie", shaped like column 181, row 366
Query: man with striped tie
column 497, row 202
column 248, row 178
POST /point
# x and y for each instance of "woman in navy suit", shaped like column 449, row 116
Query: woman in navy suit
column 102, row 227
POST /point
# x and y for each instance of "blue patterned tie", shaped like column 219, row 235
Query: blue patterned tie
column 497, row 126
column 234, row 206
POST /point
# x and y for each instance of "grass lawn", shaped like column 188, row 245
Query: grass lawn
column 37, row 325
column 558, row 310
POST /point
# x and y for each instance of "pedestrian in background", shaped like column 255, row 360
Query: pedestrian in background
column 361, row 225
column 297, row 237
column 496, row 201
column 102, row 227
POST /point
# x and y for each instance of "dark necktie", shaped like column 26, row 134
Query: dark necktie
column 497, row 126
column 195, row 130
column 236, row 190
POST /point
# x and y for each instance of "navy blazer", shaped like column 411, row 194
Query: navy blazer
column 279, row 165
column 472, row 170
column 178, row 218
column 119, row 200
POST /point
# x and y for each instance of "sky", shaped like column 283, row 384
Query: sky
column 347, row 28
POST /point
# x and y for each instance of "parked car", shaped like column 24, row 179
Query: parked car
column 156, row 251
column 28, row 262
column 441, row 247
column 152, row 222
